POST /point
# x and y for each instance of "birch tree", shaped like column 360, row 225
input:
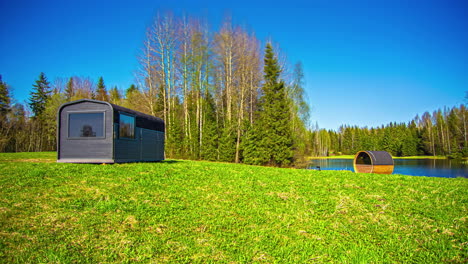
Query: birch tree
column 225, row 61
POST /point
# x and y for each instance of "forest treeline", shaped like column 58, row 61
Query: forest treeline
column 223, row 98
column 442, row 133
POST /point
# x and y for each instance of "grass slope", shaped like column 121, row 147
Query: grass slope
column 191, row 211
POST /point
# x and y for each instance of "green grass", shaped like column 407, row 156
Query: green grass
column 421, row 157
column 41, row 157
column 203, row 212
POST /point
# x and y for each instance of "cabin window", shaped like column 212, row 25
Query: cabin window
column 86, row 125
column 127, row 126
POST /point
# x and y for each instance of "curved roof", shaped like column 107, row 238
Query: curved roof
column 142, row 120
column 379, row 157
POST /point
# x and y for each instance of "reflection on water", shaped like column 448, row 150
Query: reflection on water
column 416, row 167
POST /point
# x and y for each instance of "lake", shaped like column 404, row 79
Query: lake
column 416, row 167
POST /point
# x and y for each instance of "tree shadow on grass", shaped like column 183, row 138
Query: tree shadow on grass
column 146, row 162
column 121, row 163
column 169, row 161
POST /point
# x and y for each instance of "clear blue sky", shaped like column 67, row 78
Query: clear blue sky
column 367, row 63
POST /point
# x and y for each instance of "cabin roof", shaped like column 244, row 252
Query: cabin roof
column 142, row 120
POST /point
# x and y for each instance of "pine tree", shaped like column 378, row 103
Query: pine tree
column 272, row 129
column 114, row 95
column 173, row 143
column 253, row 152
column 411, row 140
column 227, row 141
column 39, row 95
column 70, row 90
column 6, row 136
column 209, row 146
column 101, row 92
column 130, row 90
column 5, row 98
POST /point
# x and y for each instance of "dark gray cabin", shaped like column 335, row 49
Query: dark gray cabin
column 91, row 131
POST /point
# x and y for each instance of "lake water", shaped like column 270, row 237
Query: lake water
column 416, row 167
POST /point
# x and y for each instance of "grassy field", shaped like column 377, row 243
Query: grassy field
column 202, row 212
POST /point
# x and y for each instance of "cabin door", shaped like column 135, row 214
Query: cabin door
column 148, row 145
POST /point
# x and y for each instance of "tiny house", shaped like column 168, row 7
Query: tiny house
column 373, row 162
column 91, row 131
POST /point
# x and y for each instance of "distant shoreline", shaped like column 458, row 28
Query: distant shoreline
column 352, row 157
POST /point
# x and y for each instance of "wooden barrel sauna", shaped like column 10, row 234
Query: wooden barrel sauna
column 380, row 162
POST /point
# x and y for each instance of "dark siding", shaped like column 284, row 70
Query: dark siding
column 128, row 149
column 152, row 147
column 85, row 148
column 148, row 145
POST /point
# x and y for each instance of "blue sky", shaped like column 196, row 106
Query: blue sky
column 366, row 63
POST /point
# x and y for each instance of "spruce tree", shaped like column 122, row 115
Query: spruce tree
column 271, row 137
column 209, row 146
column 227, row 143
column 69, row 91
column 253, row 151
column 101, row 92
column 5, row 98
column 39, row 95
column 130, row 90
